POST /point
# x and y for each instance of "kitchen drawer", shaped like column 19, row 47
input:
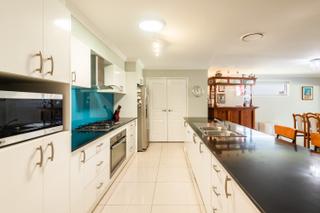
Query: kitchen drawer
column 102, row 182
column 89, row 196
column 101, row 161
column 217, row 171
column 217, row 198
column 102, row 144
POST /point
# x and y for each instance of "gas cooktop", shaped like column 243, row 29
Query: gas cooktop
column 100, row 126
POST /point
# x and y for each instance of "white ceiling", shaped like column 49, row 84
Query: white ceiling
column 206, row 33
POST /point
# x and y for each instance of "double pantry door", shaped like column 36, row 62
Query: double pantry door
column 167, row 108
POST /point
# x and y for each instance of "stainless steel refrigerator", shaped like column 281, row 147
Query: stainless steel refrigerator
column 143, row 130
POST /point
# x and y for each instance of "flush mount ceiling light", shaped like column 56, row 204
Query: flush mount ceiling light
column 315, row 64
column 252, row 37
column 152, row 25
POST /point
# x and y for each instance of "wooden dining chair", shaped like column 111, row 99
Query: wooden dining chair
column 315, row 140
column 301, row 125
column 285, row 132
column 313, row 122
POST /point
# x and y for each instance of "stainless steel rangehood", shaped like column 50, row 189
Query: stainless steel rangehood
column 97, row 73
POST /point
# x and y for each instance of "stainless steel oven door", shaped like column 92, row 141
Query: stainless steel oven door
column 118, row 154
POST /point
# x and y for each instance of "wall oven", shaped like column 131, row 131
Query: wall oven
column 24, row 116
column 118, row 151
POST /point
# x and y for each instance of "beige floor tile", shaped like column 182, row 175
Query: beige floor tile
column 127, row 209
column 140, row 174
column 176, row 209
column 173, row 162
column 132, row 193
column 173, row 175
column 178, row 193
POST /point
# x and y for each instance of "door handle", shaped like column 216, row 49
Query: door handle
column 74, row 76
column 164, row 110
column 39, row 54
column 200, row 150
column 215, row 192
column 194, row 138
column 84, row 156
column 52, row 151
column 52, row 65
column 226, row 186
column 41, row 156
column 170, row 110
column 215, row 169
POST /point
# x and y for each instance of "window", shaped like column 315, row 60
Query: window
column 271, row 88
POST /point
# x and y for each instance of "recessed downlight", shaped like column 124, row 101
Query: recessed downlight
column 152, row 25
column 252, row 37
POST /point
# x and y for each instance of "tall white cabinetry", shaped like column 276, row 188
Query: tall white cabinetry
column 80, row 63
column 167, row 107
column 35, row 39
column 35, row 175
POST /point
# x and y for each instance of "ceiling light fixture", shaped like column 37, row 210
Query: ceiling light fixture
column 157, row 46
column 152, row 25
column 315, row 64
column 252, row 37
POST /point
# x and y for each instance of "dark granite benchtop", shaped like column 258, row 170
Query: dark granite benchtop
column 276, row 176
column 80, row 139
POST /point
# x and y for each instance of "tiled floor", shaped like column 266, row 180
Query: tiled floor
column 156, row 181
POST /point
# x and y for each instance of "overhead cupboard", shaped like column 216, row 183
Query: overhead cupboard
column 35, row 39
column 219, row 192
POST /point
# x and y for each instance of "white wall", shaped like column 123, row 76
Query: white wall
column 279, row 109
column 197, row 107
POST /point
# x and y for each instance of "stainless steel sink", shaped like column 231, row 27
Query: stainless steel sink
column 217, row 130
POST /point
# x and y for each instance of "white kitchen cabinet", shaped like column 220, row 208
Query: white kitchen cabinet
column 90, row 174
column 80, row 63
column 131, row 138
column 35, row 39
column 57, row 30
column 29, row 181
column 21, row 177
column 219, row 192
column 56, row 173
column 21, row 37
column 115, row 78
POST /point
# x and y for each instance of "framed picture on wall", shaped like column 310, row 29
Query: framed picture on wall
column 307, row 92
column 221, row 98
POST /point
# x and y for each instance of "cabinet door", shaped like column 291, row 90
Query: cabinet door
column 177, row 108
column 76, row 185
column 21, row 36
column 21, row 178
column 205, row 181
column 57, row 29
column 56, row 172
column 158, row 109
column 80, row 63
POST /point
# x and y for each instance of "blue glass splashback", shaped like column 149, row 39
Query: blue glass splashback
column 90, row 106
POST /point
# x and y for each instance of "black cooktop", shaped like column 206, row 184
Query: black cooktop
column 100, row 126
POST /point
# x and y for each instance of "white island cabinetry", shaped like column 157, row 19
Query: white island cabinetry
column 219, row 192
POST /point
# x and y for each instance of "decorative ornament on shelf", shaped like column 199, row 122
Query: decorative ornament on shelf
column 197, row 91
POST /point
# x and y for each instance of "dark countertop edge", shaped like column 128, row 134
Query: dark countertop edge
column 230, row 173
column 121, row 123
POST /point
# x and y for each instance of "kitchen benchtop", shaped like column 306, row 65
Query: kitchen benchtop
column 80, row 139
column 277, row 176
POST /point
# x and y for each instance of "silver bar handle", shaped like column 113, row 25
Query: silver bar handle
column 52, row 151
column 52, row 65
column 214, row 188
column 40, row 163
column 100, row 185
column 200, row 150
column 100, row 163
column 74, row 76
column 215, row 168
column 194, row 138
column 226, row 186
column 84, row 156
column 39, row 54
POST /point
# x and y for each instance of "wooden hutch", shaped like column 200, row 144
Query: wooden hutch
column 243, row 115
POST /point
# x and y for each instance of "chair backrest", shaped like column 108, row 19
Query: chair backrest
column 286, row 132
column 313, row 121
column 299, row 122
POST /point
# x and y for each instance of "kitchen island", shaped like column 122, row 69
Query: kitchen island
column 275, row 176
